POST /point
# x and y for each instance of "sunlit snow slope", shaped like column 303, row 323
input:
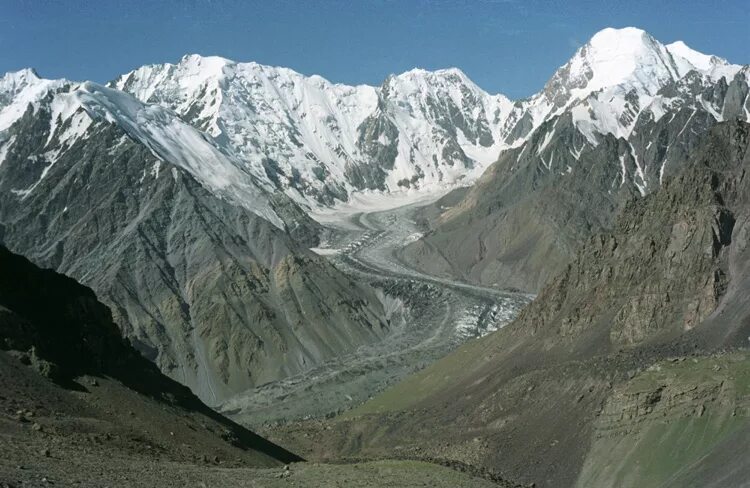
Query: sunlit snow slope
column 319, row 142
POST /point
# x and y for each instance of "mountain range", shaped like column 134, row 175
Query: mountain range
column 184, row 196
column 180, row 192
column 319, row 141
column 612, row 124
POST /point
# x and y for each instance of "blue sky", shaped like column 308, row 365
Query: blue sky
column 506, row 46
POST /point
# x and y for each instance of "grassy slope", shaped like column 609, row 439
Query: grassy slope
column 707, row 406
column 422, row 384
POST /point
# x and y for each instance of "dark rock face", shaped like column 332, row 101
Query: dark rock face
column 531, row 210
column 378, row 139
column 218, row 297
column 55, row 320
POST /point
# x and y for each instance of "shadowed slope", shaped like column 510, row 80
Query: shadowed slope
column 58, row 327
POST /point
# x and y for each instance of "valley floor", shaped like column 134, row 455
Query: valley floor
column 96, row 432
column 430, row 316
column 91, row 470
column 84, row 445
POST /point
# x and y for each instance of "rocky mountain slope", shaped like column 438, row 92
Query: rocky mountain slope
column 80, row 407
column 630, row 341
column 205, row 269
column 177, row 205
column 70, row 381
column 698, row 407
column 612, row 124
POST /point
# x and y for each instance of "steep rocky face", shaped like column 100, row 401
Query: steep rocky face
column 606, row 136
column 200, row 265
column 665, row 266
column 51, row 324
column 668, row 281
column 526, row 214
column 320, row 141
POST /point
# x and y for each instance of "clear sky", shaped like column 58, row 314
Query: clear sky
column 506, row 46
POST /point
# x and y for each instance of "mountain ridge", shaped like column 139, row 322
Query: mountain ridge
column 206, row 270
column 320, row 141
column 590, row 154
column 243, row 139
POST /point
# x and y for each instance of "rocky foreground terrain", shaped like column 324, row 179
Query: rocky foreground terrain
column 80, row 407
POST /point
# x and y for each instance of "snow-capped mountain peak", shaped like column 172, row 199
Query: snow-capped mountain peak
column 617, row 75
column 184, row 81
column 628, row 58
column 420, row 83
column 698, row 60
column 688, row 59
column 319, row 141
column 15, row 80
column 421, row 76
column 20, row 89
